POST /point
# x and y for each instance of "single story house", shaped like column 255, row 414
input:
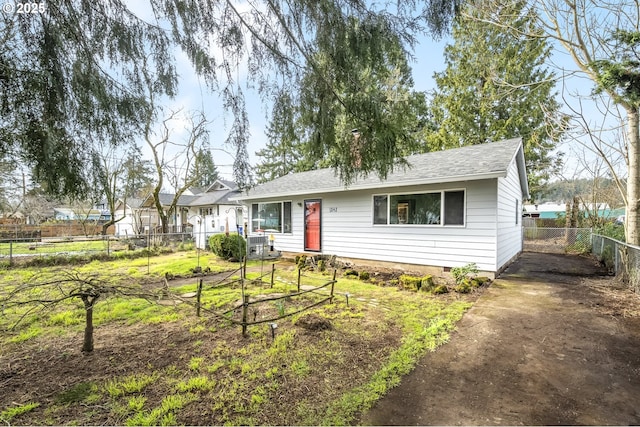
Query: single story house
column 129, row 216
column 69, row 214
column 178, row 218
column 446, row 209
column 212, row 211
column 202, row 212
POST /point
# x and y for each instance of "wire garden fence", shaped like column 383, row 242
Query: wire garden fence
column 16, row 249
column 557, row 240
column 621, row 259
column 253, row 308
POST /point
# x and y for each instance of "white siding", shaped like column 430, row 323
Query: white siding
column 509, row 208
column 205, row 226
column 126, row 226
column 348, row 230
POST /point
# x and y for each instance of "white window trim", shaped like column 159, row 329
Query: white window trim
column 282, row 202
column 442, row 224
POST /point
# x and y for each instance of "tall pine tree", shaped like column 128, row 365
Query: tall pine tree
column 204, row 170
column 496, row 86
column 285, row 151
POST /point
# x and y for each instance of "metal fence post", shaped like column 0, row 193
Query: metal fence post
column 273, row 271
column 10, row 252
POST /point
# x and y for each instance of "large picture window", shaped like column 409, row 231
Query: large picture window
column 274, row 217
column 434, row 208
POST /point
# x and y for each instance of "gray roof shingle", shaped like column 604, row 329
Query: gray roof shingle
column 459, row 164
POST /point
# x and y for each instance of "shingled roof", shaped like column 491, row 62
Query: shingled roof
column 468, row 163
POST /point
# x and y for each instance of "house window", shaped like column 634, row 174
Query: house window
column 271, row 217
column 379, row 209
column 454, row 208
column 434, row 208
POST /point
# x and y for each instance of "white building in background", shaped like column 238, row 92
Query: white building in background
column 203, row 212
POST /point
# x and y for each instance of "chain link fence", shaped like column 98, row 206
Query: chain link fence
column 13, row 250
column 621, row 259
column 557, row 240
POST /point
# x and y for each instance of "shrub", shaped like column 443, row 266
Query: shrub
column 322, row 266
column 427, row 284
column 363, row 275
column 350, row 272
column 611, row 229
column 231, row 246
column 301, row 261
column 414, row 283
column 483, row 280
column 460, row 273
column 463, row 287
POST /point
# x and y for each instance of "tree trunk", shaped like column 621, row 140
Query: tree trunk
column 633, row 180
column 106, row 225
column 87, row 345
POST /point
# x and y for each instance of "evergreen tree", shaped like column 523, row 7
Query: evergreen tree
column 359, row 111
column 139, row 174
column 496, row 86
column 204, row 172
column 285, row 152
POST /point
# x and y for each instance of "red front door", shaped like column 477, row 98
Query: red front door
column 312, row 218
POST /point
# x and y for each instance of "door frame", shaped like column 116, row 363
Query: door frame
column 304, row 219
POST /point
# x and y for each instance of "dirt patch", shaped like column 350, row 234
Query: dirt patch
column 553, row 341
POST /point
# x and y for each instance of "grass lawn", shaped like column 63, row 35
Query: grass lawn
column 159, row 364
column 39, row 248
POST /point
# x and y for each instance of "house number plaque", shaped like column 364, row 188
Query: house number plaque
column 332, row 210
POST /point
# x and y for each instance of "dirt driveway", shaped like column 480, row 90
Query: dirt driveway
column 548, row 343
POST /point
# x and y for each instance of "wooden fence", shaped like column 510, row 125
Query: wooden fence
column 247, row 302
column 37, row 232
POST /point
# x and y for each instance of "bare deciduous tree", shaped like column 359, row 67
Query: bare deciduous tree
column 588, row 31
column 176, row 168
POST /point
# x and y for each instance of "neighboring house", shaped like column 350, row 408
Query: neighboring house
column 447, row 209
column 201, row 211
column 544, row 210
column 132, row 221
column 70, row 214
column 178, row 219
column 64, row 214
column 213, row 212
